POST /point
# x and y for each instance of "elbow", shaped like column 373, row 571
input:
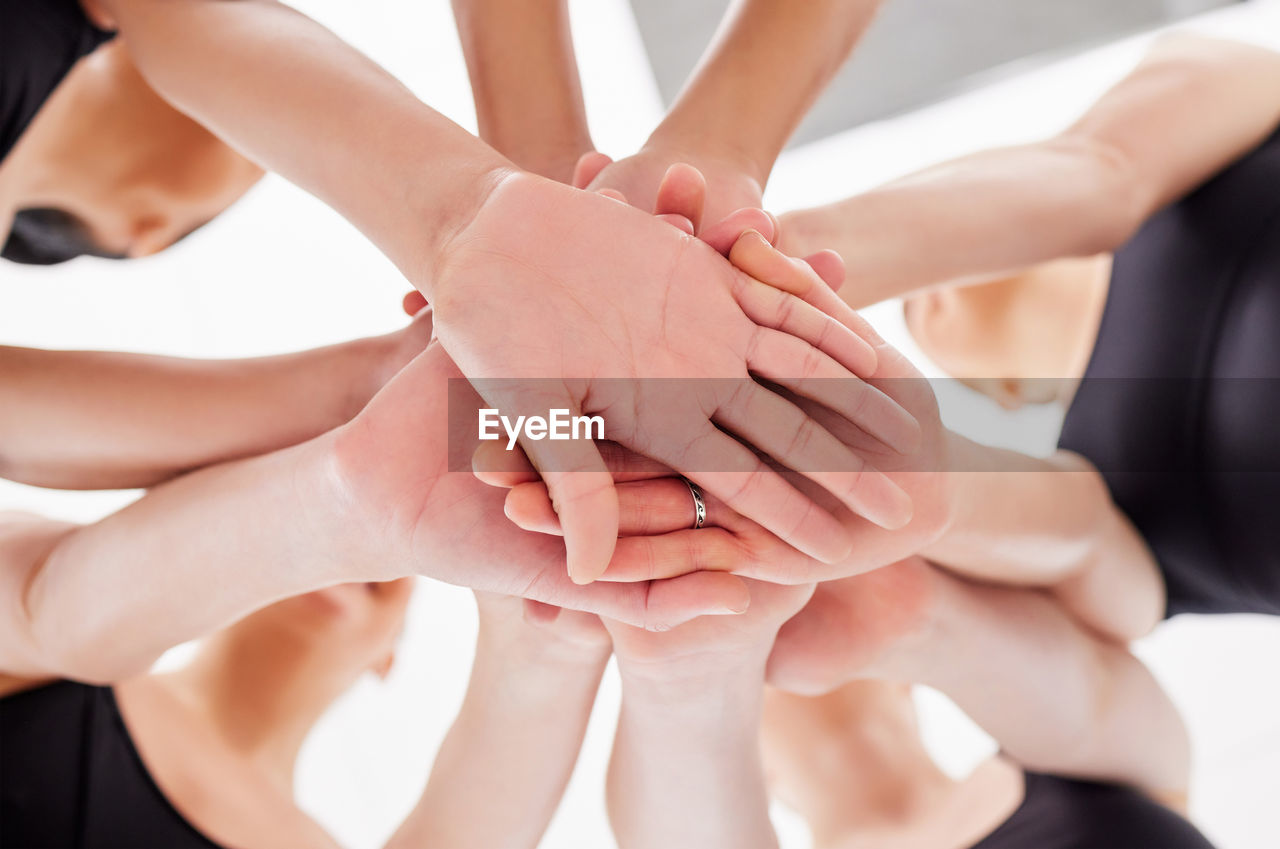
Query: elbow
column 78, row 648
column 1114, row 200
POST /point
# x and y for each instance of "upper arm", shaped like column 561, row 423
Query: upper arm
column 25, row 544
column 1192, row 107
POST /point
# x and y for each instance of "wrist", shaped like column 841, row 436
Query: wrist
column 324, row 504
column 524, row 646
column 449, row 209
column 711, row 677
column 677, row 142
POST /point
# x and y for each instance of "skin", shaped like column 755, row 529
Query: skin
column 1103, row 715
column 221, row 735
column 505, row 763
column 737, row 110
column 1079, row 194
column 372, row 500
column 524, row 77
column 731, row 121
column 686, row 739
column 852, row 764
column 106, row 420
column 470, row 233
column 1057, row 695
column 135, row 171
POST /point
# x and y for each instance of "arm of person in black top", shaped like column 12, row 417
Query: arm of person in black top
column 372, row 500
column 1057, row 696
column 108, row 420
column 1193, row 106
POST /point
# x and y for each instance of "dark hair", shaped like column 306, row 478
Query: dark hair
column 48, row 237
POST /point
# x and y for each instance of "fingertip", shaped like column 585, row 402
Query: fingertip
column 678, row 221
column 588, row 167
column 829, row 266
column 682, row 191
column 413, row 303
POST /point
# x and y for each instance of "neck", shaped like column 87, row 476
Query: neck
column 260, row 697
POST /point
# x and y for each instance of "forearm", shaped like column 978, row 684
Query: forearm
column 1055, row 696
column 1049, row 523
column 686, row 767
column 105, row 420
column 503, row 767
column 758, row 79
column 524, row 78
column 1083, row 192
column 103, row 601
column 971, row 219
column 299, row 101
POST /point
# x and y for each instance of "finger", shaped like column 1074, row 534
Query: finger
column 650, row 507
column 589, row 167
column 627, row 465
column 679, row 222
column 753, row 255
column 656, row 606
column 676, row 601
column 725, row 233
column 538, row 613
column 774, row 234
column 783, row 431
column 683, row 191
column 580, row 485
column 829, row 266
column 731, row 472
column 494, row 465
column 779, row 310
column 809, row 373
column 612, row 194
column 414, row 303
column 683, row 552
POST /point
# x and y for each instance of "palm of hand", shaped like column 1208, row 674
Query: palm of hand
column 405, row 509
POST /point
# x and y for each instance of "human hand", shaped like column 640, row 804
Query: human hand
column 709, row 641
column 397, row 349
column 566, row 634
column 853, row 627
column 667, row 307
column 731, row 183
column 395, row 505
column 656, row 508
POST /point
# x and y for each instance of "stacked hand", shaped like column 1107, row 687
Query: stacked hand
column 569, row 336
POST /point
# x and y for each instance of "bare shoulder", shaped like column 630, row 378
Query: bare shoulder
column 218, row 793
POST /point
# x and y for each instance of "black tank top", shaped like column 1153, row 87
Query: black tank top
column 71, row 777
column 39, row 42
column 1180, row 404
column 1058, row 813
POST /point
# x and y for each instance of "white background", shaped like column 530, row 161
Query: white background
column 280, row 272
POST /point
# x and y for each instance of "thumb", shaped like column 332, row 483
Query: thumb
column 576, row 476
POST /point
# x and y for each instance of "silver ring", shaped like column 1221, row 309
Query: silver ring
column 699, row 505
